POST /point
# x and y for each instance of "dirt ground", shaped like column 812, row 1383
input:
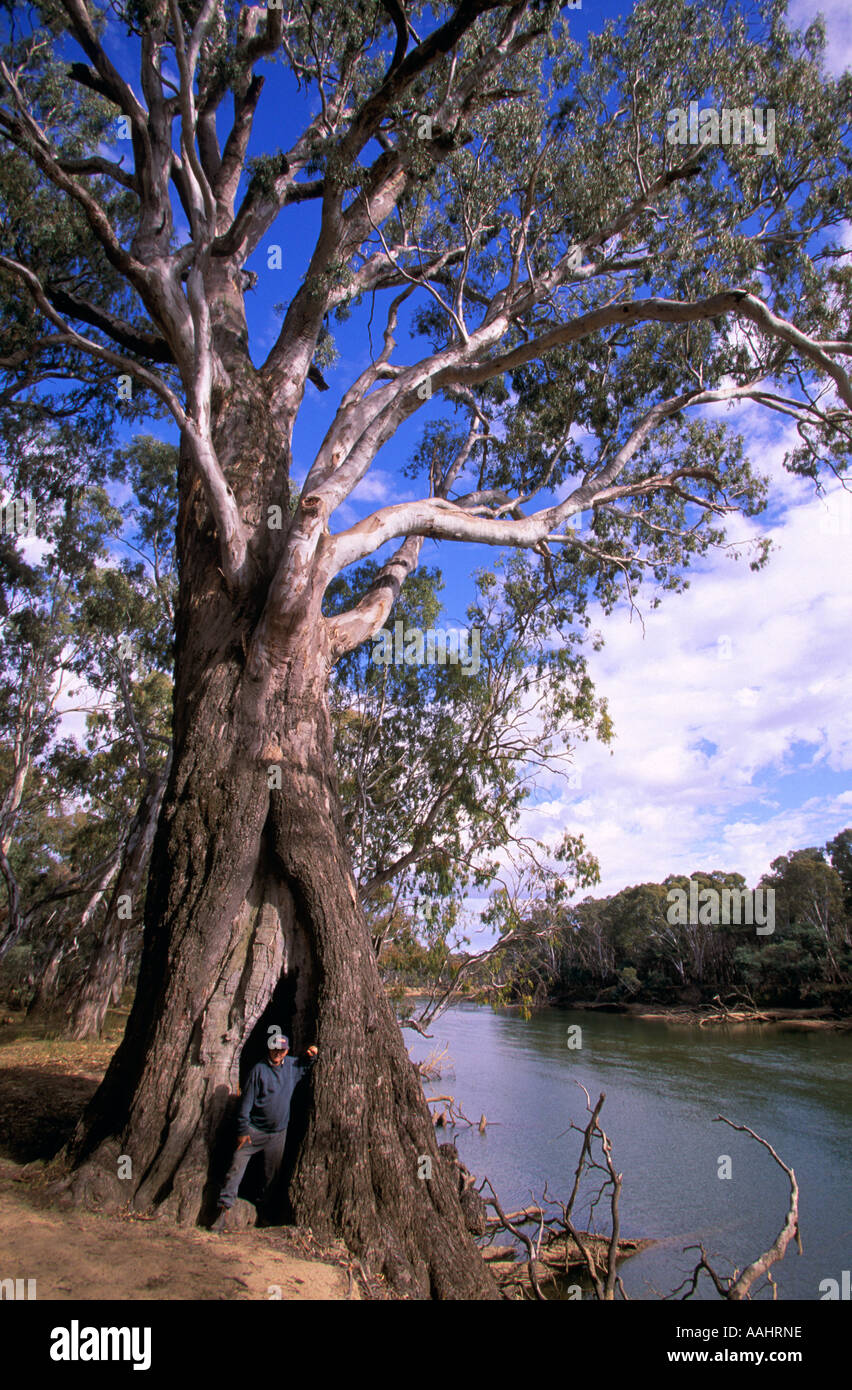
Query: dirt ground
column 78, row 1255
column 44, row 1085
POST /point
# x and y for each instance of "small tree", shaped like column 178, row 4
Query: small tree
column 437, row 759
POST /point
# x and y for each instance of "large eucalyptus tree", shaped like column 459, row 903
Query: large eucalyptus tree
column 579, row 287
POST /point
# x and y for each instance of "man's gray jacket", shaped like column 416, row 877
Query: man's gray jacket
column 266, row 1096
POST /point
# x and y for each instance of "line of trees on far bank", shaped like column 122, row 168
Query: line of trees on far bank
column 626, row 947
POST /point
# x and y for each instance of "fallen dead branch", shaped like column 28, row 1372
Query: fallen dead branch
column 559, row 1247
column 738, row 1286
column 431, row 1068
column 455, row 1116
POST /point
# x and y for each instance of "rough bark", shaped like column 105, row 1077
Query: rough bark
column 102, row 982
column 252, row 919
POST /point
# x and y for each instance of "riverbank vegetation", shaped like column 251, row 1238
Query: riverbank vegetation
column 629, row 948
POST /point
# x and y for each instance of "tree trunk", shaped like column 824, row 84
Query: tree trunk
column 102, row 982
column 43, row 1002
column 252, row 920
column 9, row 808
column 369, row 1127
column 48, row 1002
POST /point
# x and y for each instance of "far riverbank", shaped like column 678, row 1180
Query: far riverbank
column 789, row 1020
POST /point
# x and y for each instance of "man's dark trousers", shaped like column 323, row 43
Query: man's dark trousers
column 272, row 1148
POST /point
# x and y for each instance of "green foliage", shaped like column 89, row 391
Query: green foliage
column 560, row 142
column 436, row 762
column 86, row 629
column 625, row 948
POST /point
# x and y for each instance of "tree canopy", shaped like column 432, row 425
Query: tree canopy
column 579, row 287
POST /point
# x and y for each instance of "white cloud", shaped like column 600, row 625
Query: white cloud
column 379, row 486
column 737, row 684
column 378, row 489
column 838, row 28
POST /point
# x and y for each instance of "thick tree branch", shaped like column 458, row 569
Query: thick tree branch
column 350, row 629
column 741, row 1285
column 88, row 346
column 136, row 340
column 194, row 426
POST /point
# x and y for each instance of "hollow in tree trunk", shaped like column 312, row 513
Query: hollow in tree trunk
column 252, row 919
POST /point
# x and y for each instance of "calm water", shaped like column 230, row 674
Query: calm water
column 664, row 1085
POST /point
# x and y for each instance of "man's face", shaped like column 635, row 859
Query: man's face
column 277, row 1055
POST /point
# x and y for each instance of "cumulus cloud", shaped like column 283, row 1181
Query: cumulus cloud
column 378, row 489
column 731, row 711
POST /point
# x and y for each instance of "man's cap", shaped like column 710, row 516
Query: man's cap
column 278, row 1044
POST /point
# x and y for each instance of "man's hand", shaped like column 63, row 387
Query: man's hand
column 243, row 1140
column 312, row 1051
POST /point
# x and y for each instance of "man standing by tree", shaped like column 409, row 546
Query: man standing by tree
column 263, row 1118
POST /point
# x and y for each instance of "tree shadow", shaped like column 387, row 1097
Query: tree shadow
column 40, row 1106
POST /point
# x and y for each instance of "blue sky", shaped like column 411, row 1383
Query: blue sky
column 732, row 709
column 731, row 706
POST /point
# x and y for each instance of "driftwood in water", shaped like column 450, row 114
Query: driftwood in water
column 560, row 1256
column 559, row 1250
column 738, row 1286
column 558, row 1246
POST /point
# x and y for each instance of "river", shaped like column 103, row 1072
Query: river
column 664, row 1085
